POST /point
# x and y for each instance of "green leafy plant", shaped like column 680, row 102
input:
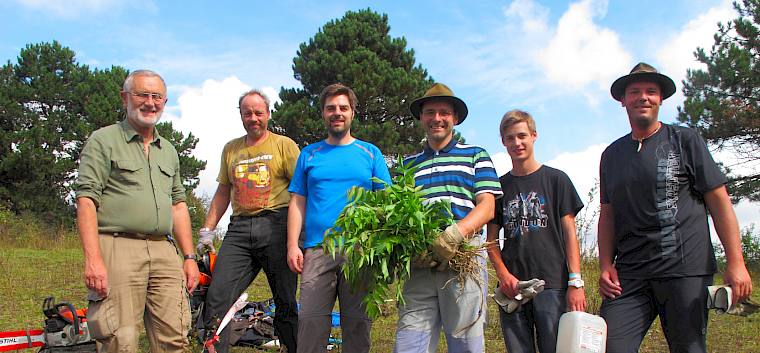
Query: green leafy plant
column 380, row 232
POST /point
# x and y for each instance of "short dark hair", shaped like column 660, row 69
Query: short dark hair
column 337, row 89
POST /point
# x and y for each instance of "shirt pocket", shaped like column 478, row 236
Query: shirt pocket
column 166, row 177
column 128, row 173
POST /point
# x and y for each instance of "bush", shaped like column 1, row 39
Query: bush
column 750, row 242
column 29, row 231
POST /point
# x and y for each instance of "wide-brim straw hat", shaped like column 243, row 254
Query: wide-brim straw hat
column 647, row 73
column 439, row 91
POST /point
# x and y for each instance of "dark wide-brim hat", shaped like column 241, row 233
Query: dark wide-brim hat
column 647, row 73
column 439, row 91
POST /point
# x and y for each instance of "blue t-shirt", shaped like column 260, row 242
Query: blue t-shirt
column 325, row 173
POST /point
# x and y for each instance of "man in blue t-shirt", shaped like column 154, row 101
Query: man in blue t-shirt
column 655, row 255
column 325, row 172
column 537, row 213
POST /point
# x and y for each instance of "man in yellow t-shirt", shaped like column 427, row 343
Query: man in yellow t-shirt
column 254, row 176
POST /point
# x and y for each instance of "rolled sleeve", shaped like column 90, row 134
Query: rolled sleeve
column 94, row 169
column 178, row 190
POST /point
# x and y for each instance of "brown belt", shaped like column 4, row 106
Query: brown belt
column 137, row 235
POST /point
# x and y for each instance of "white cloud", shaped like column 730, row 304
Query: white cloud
column 78, row 8
column 501, row 162
column 582, row 53
column 677, row 52
column 581, row 166
column 533, row 17
column 210, row 112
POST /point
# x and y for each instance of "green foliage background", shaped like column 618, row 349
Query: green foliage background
column 357, row 51
column 49, row 105
column 722, row 101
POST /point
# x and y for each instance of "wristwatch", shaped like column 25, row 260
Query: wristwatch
column 575, row 282
column 190, row 257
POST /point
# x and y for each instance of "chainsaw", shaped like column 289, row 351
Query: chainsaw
column 65, row 331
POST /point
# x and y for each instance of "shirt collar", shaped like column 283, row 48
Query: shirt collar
column 445, row 149
column 130, row 134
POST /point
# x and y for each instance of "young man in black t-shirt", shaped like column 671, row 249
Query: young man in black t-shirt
column 537, row 213
column 655, row 253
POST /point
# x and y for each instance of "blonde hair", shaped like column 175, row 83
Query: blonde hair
column 513, row 117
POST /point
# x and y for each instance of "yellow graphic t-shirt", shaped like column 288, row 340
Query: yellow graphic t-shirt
column 259, row 175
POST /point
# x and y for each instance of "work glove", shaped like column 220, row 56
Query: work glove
column 719, row 298
column 425, row 260
column 206, row 240
column 445, row 246
column 527, row 290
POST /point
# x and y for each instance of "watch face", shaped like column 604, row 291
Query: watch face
column 577, row 283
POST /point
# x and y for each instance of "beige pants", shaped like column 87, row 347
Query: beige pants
column 146, row 284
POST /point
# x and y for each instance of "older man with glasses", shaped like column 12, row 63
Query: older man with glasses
column 130, row 210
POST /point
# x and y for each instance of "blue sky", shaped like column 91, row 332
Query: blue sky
column 554, row 59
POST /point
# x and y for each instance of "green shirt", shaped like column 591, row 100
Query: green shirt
column 133, row 193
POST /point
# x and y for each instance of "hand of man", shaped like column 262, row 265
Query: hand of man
column 445, row 246
column 509, row 286
column 96, row 276
column 738, row 278
column 295, row 259
column 576, row 299
column 609, row 284
column 206, row 240
column 190, row 267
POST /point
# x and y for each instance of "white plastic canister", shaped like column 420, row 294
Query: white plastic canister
column 581, row 332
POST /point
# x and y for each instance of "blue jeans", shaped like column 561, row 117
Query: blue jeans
column 543, row 313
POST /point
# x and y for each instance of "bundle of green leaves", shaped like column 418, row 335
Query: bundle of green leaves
column 379, row 233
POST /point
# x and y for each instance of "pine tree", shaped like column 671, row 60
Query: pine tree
column 722, row 102
column 49, row 105
column 357, row 51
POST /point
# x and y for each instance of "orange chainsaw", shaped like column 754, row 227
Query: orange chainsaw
column 65, row 331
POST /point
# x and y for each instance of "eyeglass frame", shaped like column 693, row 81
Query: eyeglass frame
column 144, row 96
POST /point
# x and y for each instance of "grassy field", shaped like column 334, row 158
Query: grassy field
column 34, row 269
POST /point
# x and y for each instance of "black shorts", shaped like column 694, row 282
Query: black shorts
column 681, row 304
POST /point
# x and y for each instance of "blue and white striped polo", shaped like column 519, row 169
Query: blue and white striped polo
column 457, row 173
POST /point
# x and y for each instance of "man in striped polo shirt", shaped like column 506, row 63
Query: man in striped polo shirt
column 464, row 176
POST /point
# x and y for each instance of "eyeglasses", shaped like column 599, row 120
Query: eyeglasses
column 157, row 97
column 431, row 113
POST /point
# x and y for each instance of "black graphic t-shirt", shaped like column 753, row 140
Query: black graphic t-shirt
column 660, row 217
column 530, row 213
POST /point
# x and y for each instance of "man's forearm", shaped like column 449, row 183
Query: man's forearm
column 182, row 232
column 87, row 226
column 725, row 223
column 479, row 216
column 494, row 253
column 605, row 235
column 572, row 249
column 218, row 206
column 296, row 211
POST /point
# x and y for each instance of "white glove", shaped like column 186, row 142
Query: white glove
column 526, row 291
column 206, row 240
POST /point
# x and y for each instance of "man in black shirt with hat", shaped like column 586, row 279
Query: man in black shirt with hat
column 655, row 253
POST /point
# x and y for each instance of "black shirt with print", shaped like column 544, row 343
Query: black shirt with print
column 530, row 213
column 660, row 219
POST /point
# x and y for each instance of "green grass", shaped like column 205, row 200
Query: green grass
column 34, row 269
